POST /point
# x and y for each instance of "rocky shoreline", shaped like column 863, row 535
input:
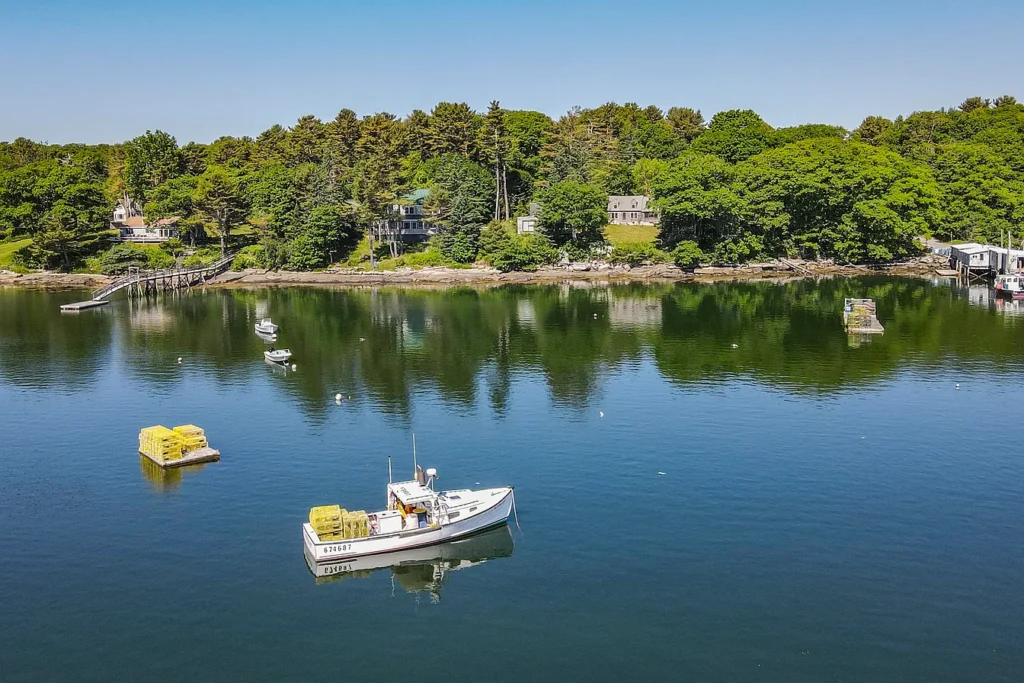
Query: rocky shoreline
column 924, row 266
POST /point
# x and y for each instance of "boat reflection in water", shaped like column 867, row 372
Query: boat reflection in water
column 420, row 569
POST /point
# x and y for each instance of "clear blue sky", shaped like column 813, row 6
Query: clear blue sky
column 107, row 70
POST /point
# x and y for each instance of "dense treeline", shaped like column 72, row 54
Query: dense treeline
column 728, row 190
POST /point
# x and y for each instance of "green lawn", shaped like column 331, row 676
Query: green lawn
column 7, row 250
column 617, row 234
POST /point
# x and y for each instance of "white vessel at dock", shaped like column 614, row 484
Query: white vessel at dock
column 1010, row 285
column 416, row 516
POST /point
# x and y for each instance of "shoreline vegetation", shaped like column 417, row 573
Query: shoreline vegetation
column 592, row 272
column 448, row 187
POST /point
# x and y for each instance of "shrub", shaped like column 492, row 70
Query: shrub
column 119, row 258
column 494, row 237
column 202, row 257
column 637, row 253
column 524, row 252
column 157, row 259
column 249, row 257
column 687, row 255
column 460, row 247
column 174, row 246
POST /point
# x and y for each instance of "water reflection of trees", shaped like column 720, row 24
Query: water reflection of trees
column 41, row 347
column 468, row 345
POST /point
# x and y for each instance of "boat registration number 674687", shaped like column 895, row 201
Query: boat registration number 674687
column 338, row 548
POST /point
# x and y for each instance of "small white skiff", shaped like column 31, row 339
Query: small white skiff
column 266, row 326
column 277, row 355
column 416, row 516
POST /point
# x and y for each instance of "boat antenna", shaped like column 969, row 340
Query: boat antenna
column 389, row 469
column 414, row 455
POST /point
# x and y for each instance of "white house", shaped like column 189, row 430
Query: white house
column 631, row 210
column 409, row 219
column 527, row 224
column 131, row 225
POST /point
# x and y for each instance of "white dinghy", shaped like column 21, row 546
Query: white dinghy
column 266, row 327
column 277, row 355
column 416, row 516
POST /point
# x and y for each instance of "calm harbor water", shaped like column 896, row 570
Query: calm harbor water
column 713, row 483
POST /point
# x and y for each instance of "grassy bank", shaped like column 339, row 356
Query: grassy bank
column 617, row 234
column 7, row 250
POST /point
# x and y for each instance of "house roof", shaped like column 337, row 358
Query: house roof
column 417, row 196
column 134, row 222
column 164, row 222
column 632, row 202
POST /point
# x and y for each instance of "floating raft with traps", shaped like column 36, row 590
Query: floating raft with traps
column 859, row 317
column 183, row 445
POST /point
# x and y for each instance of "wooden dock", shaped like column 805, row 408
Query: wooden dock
column 195, row 457
column 82, row 305
column 145, row 283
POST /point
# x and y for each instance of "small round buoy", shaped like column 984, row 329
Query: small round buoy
column 601, row 413
column 735, row 346
column 179, row 361
column 957, row 385
column 595, row 316
column 337, row 397
column 293, row 366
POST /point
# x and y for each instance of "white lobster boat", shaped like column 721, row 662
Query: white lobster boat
column 416, row 516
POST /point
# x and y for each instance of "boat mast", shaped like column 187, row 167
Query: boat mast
column 389, row 469
column 414, row 455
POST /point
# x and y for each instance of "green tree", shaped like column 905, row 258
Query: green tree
column 219, row 200
column 735, row 135
column 494, row 142
column 687, row 123
column 453, row 129
column 873, row 130
column 982, row 196
column 329, row 232
column 150, row 160
column 697, row 200
column 572, row 212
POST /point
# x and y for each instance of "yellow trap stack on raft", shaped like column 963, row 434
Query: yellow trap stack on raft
column 333, row 523
column 160, row 443
column 183, row 445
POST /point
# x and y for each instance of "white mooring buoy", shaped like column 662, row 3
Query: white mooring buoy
column 293, row 366
column 957, row 385
column 337, row 397
column 179, row 363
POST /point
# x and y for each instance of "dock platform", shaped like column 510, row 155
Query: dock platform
column 859, row 317
column 195, row 457
column 946, row 272
column 83, row 305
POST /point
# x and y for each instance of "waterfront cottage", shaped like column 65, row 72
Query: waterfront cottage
column 631, row 210
column 131, row 225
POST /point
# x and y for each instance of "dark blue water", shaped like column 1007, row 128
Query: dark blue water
column 796, row 508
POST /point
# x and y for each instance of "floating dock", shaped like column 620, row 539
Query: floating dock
column 199, row 455
column 83, row 305
column 859, row 317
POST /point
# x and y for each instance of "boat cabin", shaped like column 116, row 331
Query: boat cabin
column 414, row 506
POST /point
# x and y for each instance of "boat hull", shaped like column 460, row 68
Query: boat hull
column 1010, row 294
column 495, row 512
column 277, row 357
